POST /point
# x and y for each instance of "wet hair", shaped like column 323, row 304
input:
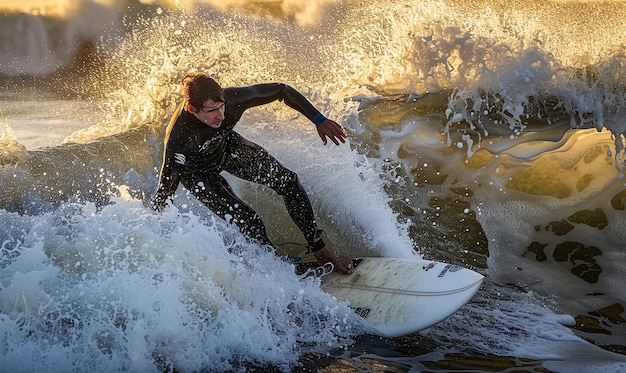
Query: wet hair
column 199, row 87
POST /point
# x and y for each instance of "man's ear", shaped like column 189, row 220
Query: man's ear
column 190, row 108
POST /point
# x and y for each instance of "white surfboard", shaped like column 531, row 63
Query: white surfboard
column 399, row 296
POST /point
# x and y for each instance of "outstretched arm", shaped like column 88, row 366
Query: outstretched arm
column 242, row 98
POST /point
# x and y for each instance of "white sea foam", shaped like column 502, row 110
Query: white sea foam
column 511, row 324
column 121, row 287
column 117, row 287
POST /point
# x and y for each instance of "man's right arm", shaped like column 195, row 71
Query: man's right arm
column 168, row 183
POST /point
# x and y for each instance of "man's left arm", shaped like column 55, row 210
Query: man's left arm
column 261, row 94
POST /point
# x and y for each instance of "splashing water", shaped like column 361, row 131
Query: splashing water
column 474, row 140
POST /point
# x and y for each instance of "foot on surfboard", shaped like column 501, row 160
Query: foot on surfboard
column 303, row 268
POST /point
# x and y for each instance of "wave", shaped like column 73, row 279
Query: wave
column 505, row 68
column 102, row 288
column 461, row 149
column 508, row 60
column 41, row 42
column 37, row 180
column 86, row 265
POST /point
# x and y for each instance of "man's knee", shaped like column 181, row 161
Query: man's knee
column 288, row 182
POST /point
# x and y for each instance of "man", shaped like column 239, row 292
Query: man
column 201, row 143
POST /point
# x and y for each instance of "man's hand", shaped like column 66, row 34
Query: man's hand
column 342, row 264
column 332, row 130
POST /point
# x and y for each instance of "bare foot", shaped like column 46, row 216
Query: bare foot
column 342, row 264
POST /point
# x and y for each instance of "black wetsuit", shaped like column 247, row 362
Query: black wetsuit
column 195, row 154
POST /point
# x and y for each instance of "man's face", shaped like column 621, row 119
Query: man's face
column 211, row 113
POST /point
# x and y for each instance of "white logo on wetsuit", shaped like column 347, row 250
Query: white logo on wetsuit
column 212, row 145
column 180, row 158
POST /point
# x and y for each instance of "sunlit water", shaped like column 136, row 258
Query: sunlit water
column 480, row 135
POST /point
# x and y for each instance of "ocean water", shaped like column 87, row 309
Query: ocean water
column 487, row 134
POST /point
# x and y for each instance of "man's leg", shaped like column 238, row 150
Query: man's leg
column 250, row 161
column 217, row 195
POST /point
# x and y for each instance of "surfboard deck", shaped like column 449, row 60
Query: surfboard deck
column 400, row 296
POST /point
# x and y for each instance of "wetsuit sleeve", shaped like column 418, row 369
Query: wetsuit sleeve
column 168, row 182
column 170, row 169
column 260, row 94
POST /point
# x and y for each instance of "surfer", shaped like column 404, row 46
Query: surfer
column 201, row 143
